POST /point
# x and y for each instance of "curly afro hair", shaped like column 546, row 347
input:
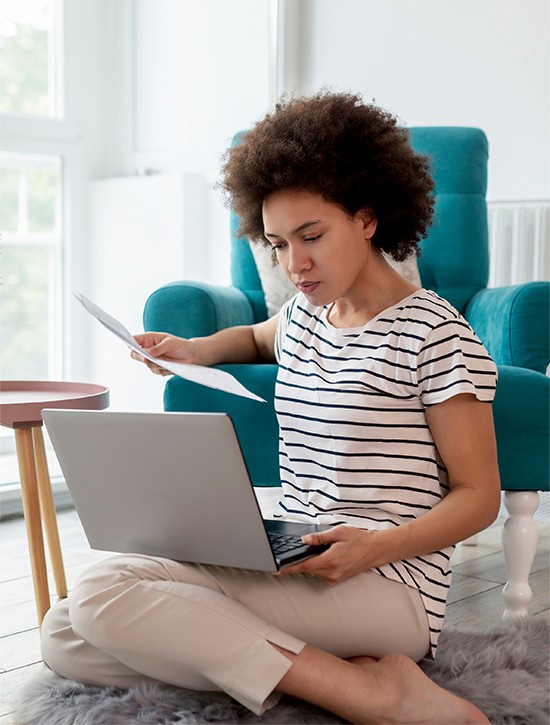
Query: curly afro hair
column 352, row 154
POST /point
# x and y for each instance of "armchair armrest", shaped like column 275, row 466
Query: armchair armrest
column 522, row 425
column 514, row 324
column 195, row 309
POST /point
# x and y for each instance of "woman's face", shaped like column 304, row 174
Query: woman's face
column 322, row 250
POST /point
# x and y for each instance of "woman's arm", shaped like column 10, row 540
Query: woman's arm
column 464, row 434
column 463, row 431
column 243, row 344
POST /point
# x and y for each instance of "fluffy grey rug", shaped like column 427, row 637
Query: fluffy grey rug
column 505, row 672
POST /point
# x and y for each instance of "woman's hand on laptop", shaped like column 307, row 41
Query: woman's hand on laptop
column 162, row 345
column 351, row 552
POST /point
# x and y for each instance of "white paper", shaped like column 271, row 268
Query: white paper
column 211, row 377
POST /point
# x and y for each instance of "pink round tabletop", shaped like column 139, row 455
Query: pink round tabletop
column 22, row 401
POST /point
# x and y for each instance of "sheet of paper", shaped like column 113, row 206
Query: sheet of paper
column 211, row 377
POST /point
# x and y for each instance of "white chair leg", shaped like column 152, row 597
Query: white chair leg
column 519, row 541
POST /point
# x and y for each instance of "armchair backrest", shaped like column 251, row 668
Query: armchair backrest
column 455, row 255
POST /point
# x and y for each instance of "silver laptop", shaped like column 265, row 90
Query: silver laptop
column 173, row 485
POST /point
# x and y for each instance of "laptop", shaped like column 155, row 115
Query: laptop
column 173, row 485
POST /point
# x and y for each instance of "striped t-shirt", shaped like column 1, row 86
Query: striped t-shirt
column 355, row 446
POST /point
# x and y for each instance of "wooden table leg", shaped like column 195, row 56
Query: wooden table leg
column 33, row 523
column 49, row 516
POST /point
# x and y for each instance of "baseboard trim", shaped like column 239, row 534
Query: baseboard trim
column 11, row 505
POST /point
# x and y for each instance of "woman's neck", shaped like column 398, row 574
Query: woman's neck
column 382, row 287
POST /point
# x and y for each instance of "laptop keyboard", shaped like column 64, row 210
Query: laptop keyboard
column 283, row 543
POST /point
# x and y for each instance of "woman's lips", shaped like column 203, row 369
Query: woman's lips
column 307, row 287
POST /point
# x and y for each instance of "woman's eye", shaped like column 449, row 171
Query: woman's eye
column 312, row 239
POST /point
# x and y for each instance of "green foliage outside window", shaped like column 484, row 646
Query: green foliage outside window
column 42, row 201
column 9, row 190
column 24, row 312
column 29, row 207
column 24, row 70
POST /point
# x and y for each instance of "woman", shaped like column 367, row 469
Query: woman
column 384, row 404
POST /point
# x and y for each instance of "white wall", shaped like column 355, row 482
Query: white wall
column 482, row 63
column 141, row 230
column 201, row 74
column 98, row 53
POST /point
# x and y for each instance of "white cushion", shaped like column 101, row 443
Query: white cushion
column 408, row 268
column 275, row 284
column 278, row 289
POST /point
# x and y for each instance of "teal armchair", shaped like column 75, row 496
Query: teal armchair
column 513, row 323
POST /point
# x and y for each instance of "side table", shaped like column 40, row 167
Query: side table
column 21, row 405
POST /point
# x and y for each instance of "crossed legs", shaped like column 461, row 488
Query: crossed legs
column 138, row 619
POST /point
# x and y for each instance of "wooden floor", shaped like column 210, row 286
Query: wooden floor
column 475, row 598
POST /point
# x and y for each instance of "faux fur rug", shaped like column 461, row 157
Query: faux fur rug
column 504, row 671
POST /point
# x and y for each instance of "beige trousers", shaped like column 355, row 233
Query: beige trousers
column 133, row 619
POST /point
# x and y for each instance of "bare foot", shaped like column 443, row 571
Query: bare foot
column 363, row 690
column 413, row 698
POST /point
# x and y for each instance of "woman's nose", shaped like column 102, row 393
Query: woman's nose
column 298, row 260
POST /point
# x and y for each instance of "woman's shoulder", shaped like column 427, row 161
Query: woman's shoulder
column 425, row 303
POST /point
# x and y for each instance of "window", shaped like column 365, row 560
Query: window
column 33, row 154
column 30, row 191
column 30, row 224
column 29, row 60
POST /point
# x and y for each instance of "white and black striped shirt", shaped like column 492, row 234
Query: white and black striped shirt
column 355, row 446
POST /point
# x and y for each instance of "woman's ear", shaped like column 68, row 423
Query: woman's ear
column 369, row 222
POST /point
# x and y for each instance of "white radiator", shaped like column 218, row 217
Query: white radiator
column 519, row 242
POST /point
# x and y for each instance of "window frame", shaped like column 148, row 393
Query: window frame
column 27, row 135
column 64, row 137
